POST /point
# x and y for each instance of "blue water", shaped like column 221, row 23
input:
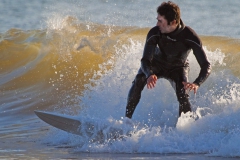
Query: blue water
column 216, row 17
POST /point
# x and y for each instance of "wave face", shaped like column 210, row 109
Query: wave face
column 86, row 70
column 40, row 68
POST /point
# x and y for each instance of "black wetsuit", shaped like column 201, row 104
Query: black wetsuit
column 165, row 55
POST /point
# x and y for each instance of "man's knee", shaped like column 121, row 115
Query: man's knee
column 140, row 81
column 137, row 87
column 184, row 104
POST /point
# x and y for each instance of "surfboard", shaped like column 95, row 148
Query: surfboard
column 63, row 122
column 87, row 129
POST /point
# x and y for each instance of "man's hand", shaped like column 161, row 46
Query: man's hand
column 151, row 81
column 190, row 86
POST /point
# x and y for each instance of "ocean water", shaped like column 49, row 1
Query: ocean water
column 80, row 57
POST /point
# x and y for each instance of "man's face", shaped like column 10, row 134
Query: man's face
column 163, row 24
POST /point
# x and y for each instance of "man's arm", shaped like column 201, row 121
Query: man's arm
column 149, row 50
column 195, row 43
column 146, row 61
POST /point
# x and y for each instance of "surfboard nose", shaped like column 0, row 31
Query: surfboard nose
column 38, row 113
column 63, row 122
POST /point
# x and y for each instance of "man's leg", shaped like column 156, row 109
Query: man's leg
column 178, row 76
column 183, row 99
column 134, row 94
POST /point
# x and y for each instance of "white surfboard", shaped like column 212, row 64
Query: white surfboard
column 88, row 129
column 63, row 122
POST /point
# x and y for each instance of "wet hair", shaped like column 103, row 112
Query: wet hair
column 170, row 11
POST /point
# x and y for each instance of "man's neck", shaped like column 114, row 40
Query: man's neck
column 174, row 28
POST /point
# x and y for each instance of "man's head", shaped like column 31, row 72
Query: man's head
column 168, row 16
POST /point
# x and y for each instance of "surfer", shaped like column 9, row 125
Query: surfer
column 167, row 47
